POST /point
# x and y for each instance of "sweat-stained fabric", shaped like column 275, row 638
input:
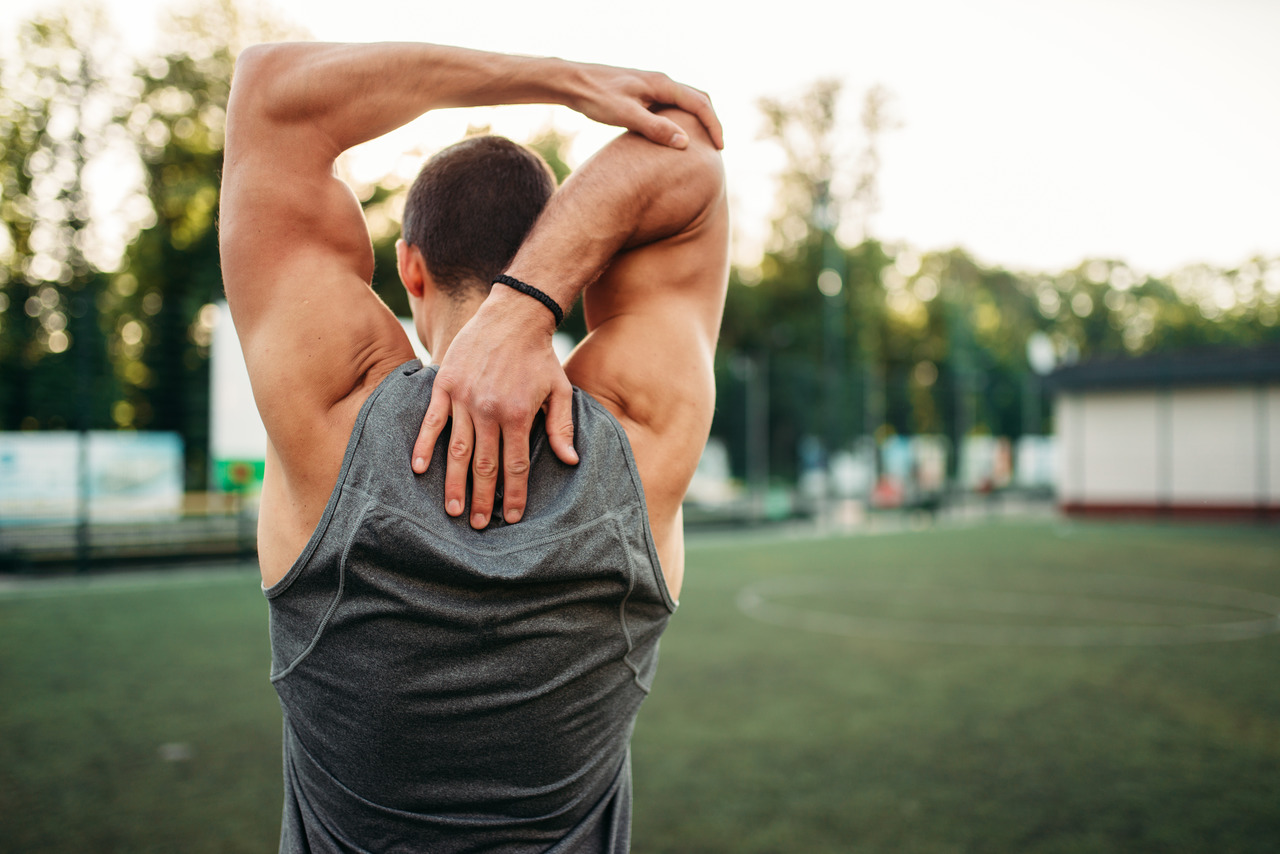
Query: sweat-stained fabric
column 447, row 690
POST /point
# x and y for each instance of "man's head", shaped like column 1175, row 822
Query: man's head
column 470, row 208
column 467, row 213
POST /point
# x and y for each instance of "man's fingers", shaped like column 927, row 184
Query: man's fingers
column 484, row 473
column 515, row 473
column 699, row 103
column 662, row 131
column 432, row 425
column 461, row 438
column 560, row 424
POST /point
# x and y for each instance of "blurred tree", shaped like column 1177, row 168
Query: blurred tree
column 781, row 312
column 806, row 131
column 816, row 308
column 18, row 133
column 62, row 92
column 160, row 345
column 876, row 119
column 553, row 145
column 383, row 205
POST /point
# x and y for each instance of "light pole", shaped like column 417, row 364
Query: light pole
column 754, row 373
column 831, row 286
column 1040, row 359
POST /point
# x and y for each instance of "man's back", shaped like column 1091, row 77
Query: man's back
column 435, row 677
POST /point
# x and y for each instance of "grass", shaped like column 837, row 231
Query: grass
column 757, row 737
column 95, row 683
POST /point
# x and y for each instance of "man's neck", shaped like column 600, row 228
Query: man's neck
column 447, row 321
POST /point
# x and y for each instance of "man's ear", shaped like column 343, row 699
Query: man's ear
column 412, row 268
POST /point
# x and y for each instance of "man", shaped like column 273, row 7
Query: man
column 450, row 682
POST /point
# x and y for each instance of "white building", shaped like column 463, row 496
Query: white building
column 1194, row 433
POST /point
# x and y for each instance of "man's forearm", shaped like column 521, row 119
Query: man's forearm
column 629, row 194
column 352, row 93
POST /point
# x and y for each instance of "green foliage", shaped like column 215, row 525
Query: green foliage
column 935, row 342
column 177, row 124
column 60, row 103
column 386, row 279
column 553, row 146
column 174, row 261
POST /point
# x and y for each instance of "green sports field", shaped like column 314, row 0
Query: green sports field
column 1009, row 687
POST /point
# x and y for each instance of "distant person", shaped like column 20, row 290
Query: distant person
column 456, row 682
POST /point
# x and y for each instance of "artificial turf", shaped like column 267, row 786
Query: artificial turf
column 138, row 717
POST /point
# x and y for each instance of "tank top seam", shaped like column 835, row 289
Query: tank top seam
column 375, row 501
column 337, row 598
column 622, row 610
column 331, row 507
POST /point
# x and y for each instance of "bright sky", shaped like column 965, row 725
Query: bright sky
column 1033, row 134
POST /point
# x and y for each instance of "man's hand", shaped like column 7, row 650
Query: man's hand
column 624, row 97
column 495, row 376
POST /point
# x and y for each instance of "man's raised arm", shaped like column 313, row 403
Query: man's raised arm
column 295, row 107
column 296, row 255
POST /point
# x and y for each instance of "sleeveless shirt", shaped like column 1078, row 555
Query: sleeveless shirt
column 452, row 690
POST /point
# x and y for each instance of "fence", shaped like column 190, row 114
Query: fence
column 70, row 499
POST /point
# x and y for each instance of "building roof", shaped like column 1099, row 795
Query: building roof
column 1218, row 366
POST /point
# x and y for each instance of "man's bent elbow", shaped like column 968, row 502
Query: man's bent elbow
column 256, row 83
column 706, row 167
column 248, row 78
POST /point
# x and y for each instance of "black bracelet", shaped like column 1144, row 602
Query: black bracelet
column 530, row 290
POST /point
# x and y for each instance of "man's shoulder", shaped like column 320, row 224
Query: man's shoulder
column 387, row 425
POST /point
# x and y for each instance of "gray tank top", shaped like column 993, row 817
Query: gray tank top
column 450, row 690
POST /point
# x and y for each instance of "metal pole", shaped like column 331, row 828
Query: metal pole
column 831, row 281
column 1028, row 404
column 756, row 375
column 81, row 308
column 1262, row 463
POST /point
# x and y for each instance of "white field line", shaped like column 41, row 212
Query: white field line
column 1117, row 597
column 809, row 531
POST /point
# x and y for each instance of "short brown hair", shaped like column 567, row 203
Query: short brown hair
column 471, row 206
